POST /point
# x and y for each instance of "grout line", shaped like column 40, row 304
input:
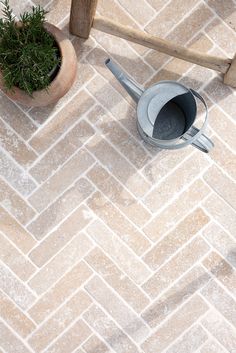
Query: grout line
column 107, row 314
column 215, row 309
column 42, row 268
column 15, row 334
column 176, row 197
column 117, row 295
column 171, row 257
column 59, row 140
column 14, row 275
column 218, row 17
column 49, row 119
column 56, row 227
column 113, row 260
column 59, row 307
column 24, row 312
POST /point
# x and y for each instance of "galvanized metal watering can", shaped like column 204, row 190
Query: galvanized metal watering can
column 166, row 112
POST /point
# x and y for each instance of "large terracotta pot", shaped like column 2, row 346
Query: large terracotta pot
column 61, row 83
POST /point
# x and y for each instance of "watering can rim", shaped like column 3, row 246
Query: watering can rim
column 145, row 100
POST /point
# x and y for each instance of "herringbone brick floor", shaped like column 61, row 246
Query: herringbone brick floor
column 108, row 245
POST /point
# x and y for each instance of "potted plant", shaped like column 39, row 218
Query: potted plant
column 37, row 62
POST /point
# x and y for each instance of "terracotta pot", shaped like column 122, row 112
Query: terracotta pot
column 61, row 83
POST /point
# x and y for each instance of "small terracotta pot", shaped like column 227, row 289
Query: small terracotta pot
column 61, row 83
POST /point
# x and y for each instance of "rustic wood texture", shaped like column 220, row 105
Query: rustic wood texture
column 81, row 17
column 111, row 27
column 230, row 76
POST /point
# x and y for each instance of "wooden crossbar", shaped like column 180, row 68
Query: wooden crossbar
column 83, row 18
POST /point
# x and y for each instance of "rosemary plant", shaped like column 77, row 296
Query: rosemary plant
column 27, row 52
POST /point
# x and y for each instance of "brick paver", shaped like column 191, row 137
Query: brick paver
column 106, row 244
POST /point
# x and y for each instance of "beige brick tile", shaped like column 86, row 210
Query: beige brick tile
column 41, row 114
column 63, row 234
column 15, row 318
column 164, row 162
column 175, row 296
column 67, row 116
column 156, row 4
column 126, row 288
column 56, row 324
column 174, row 326
column 175, row 267
column 221, row 270
column 125, row 143
column 116, row 104
column 156, row 59
column 175, row 182
column 190, row 341
column 126, row 259
column 58, row 155
column 224, row 157
column 9, row 342
column 118, row 223
column 11, row 256
column 110, row 332
column 13, row 116
column 221, row 330
column 60, row 264
column 15, row 204
column 129, row 60
column 118, row 166
column 61, row 180
column 94, row 344
column 120, row 312
column 18, row 178
column 223, row 126
column 82, row 48
column 222, row 95
column 177, row 66
column 212, row 347
column 169, row 17
column 71, row 339
column 119, row 196
column 57, row 10
column 112, row 10
column 214, row 205
column 15, row 289
column 61, row 208
column 15, row 146
column 191, row 25
column 222, row 35
column 221, row 184
column 226, row 12
column 56, row 295
column 184, row 231
column 196, row 77
column 219, row 298
column 178, row 209
column 141, row 12
column 221, row 241
column 15, row 232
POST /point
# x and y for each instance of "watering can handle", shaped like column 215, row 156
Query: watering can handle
column 195, row 136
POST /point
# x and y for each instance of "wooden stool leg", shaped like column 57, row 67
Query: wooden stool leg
column 230, row 76
column 81, row 17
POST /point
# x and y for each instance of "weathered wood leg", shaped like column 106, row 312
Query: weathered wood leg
column 81, row 17
column 230, row 76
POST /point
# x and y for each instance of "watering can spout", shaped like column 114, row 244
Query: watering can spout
column 133, row 88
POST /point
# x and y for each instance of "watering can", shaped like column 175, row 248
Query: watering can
column 166, row 112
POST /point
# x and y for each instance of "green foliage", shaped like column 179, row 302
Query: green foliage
column 27, row 52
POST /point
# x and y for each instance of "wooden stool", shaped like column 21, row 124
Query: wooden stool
column 82, row 18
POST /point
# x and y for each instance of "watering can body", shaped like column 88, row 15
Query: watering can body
column 166, row 112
